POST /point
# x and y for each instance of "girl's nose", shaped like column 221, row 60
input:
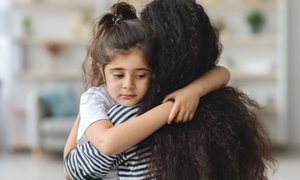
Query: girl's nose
column 128, row 84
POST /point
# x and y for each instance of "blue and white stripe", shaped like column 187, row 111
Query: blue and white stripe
column 86, row 162
column 133, row 168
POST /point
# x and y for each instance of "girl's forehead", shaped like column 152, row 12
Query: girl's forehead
column 131, row 60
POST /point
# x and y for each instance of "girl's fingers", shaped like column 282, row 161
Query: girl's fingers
column 170, row 96
column 176, row 120
column 165, row 100
column 186, row 117
column 173, row 113
column 180, row 116
column 191, row 116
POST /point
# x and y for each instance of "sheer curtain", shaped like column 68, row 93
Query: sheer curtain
column 5, row 73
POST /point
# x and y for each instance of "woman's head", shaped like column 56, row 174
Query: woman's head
column 116, row 36
column 187, row 45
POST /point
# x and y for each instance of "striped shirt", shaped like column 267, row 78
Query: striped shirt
column 86, row 162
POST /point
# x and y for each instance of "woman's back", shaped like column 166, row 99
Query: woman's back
column 225, row 140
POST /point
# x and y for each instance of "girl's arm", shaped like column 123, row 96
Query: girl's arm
column 109, row 139
column 71, row 142
column 187, row 98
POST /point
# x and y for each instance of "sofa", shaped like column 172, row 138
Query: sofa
column 45, row 130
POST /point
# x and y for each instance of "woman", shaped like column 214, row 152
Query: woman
column 225, row 139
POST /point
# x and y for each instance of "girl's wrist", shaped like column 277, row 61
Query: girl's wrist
column 196, row 89
column 167, row 106
column 200, row 91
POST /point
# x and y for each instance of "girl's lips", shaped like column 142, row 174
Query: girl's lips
column 128, row 96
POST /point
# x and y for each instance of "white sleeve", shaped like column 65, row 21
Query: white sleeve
column 93, row 106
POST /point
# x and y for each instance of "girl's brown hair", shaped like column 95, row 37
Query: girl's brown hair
column 117, row 33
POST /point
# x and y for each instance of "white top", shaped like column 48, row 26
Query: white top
column 93, row 106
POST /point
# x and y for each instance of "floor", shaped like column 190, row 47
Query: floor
column 23, row 165
column 289, row 165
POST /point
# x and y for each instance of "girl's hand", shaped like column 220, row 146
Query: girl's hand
column 186, row 103
column 187, row 98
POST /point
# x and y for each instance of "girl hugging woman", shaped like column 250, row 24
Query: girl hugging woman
column 122, row 53
column 136, row 65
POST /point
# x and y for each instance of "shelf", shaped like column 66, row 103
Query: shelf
column 240, row 75
column 239, row 5
column 44, row 5
column 38, row 76
column 31, row 40
column 269, row 109
column 259, row 39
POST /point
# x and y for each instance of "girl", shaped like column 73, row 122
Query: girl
column 121, row 51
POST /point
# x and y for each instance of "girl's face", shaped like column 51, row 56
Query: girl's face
column 127, row 78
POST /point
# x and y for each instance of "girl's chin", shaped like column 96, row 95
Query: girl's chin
column 127, row 104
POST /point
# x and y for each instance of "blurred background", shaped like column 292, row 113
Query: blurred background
column 43, row 44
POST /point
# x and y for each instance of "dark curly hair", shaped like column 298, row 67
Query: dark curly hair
column 225, row 139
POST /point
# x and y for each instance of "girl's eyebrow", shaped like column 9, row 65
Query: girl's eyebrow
column 137, row 69
column 143, row 69
column 114, row 69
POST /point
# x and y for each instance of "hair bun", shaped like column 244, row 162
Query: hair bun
column 123, row 10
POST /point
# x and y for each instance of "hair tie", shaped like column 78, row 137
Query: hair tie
column 117, row 18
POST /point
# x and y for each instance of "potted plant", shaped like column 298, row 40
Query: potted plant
column 26, row 24
column 256, row 19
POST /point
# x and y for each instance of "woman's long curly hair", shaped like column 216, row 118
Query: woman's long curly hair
column 225, row 139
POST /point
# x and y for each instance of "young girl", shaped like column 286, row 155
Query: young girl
column 121, row 52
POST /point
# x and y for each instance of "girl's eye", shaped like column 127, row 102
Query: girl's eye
column 140, row 76
column 118, row 75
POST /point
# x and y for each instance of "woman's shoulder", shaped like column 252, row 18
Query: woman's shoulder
column 228, row 102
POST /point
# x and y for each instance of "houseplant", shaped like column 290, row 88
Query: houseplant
column 26, row 22
column 256, row 20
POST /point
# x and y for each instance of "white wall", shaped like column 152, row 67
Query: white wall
column 294, row 71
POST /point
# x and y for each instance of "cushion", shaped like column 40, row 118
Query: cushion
column 59, row 102
column 56, row 126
